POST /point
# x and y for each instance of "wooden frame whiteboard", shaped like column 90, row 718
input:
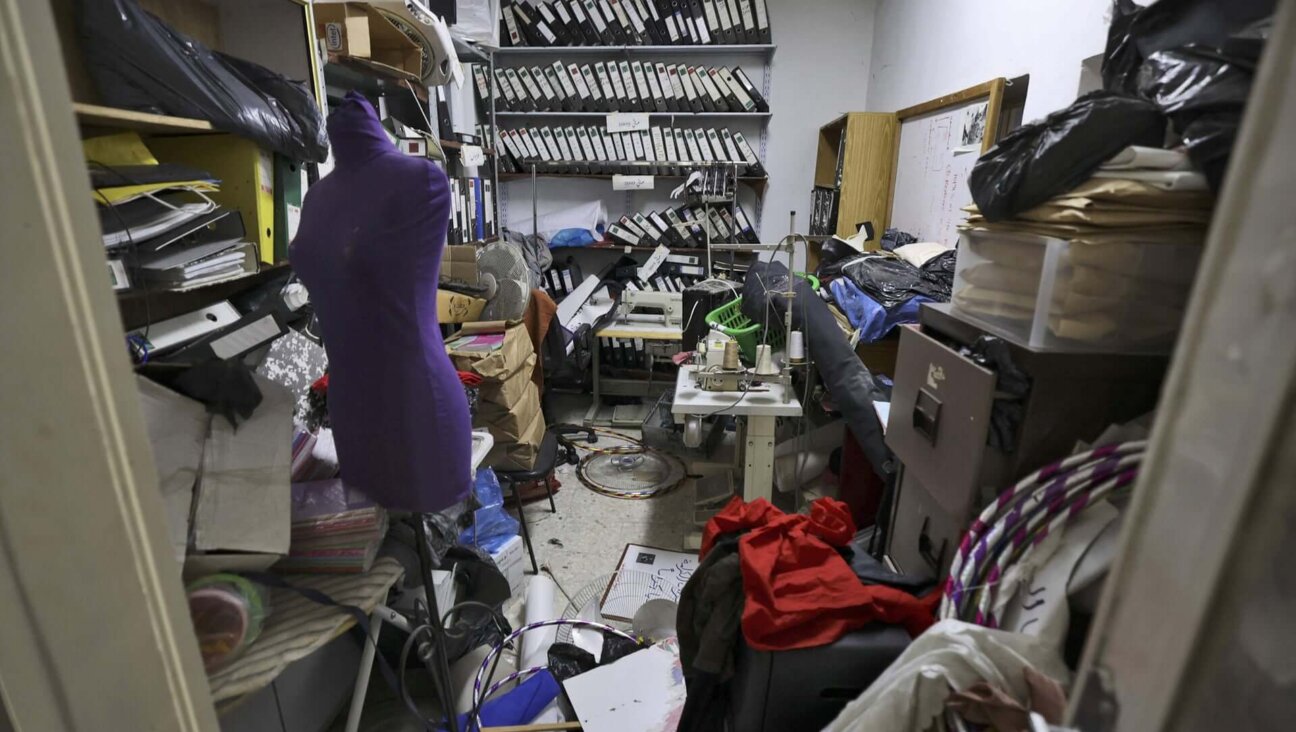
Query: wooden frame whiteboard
column 936, row 144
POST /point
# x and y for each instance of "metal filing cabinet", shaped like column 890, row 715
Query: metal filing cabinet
column 941, row 412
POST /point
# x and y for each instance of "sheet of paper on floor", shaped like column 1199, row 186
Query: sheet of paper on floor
column 643, row 692
column 646, row 573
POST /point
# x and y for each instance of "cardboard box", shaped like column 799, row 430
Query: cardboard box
column 242, row 511
column 453, row 307
column 177, row 429
column 459, row 262
column 512, row 390
column 510, row 401
column 509, row 559
column 501, row 363
column 361, row 34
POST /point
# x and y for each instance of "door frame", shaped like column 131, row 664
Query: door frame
column 1215, row 463
column 95, row 632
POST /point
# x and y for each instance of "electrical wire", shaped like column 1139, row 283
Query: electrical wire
column 404, row 689
column 474, row 720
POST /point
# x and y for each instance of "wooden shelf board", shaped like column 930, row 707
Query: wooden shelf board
column 139, row 307
column 96, row 115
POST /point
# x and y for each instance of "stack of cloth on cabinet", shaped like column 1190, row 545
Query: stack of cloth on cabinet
column 1131, row 234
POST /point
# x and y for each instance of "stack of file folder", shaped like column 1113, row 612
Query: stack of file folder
column 472, row 210
column 621, row 86
column 335, row 529
column 633, row 22
column 686, row 226
column 658, row 150
column 160, row 227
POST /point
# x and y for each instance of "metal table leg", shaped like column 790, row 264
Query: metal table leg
column 591, row 416
column 758, row 458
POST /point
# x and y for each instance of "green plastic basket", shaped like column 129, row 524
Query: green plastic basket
column 729, row 319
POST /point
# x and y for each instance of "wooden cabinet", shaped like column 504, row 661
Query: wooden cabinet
column 855, row 163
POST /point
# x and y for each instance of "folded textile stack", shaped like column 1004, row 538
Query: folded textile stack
column 335, row 529
column 1110, row 261
column 160, row 225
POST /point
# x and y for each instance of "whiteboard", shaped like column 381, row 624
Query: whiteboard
column 937, row 151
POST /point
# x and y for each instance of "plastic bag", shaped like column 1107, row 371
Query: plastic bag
column 1012, row 386
column 889, row 280
column 1138, row 32
column 1040, row 160
column 138, row 62
column 492, row 525
column 939, row 272
column 895, row 238
column 1204, row 90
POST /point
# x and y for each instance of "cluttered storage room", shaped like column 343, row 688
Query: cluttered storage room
column 648, row 365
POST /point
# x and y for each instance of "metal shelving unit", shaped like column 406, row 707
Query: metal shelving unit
column 533, row 172
column 681, row 115
column 766, row 49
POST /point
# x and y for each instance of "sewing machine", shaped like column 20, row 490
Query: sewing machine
column 665, row 308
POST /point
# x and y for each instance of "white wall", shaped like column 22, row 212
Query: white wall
column 925, row 48
column 821, row 70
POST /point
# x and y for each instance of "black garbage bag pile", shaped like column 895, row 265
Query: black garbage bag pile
column 140, row 63
column 1188, row 63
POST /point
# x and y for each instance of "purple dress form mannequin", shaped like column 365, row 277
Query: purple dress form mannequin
column 369, row 251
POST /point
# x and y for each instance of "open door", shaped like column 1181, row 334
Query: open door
column 1197, row 628
column 95, row 632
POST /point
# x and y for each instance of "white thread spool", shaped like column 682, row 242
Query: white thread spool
column 765, row 361
column 796, row 346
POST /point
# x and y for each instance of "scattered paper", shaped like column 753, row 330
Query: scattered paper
column 646, row 573
column 643, row 692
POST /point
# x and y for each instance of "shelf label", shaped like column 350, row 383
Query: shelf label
column 472, row 155
column 627, row 121
column 632, row 182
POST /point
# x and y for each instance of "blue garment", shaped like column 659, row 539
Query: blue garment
column 866, row 314
column 571, row 238
column 519, row 706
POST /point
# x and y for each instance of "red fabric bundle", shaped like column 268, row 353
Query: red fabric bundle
column 468, row 378
column 800, row 592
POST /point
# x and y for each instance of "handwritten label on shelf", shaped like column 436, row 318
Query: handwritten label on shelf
column 632, row 182
column 472, row 155
column 627, row 121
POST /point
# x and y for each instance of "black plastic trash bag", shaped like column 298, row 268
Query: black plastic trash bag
column 140, row 63
column 892, row 281
column 1138, row 32
column 1203, row 90
column 938, row 273
column 1040, row 160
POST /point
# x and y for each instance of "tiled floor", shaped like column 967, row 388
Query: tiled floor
column 584, row 539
